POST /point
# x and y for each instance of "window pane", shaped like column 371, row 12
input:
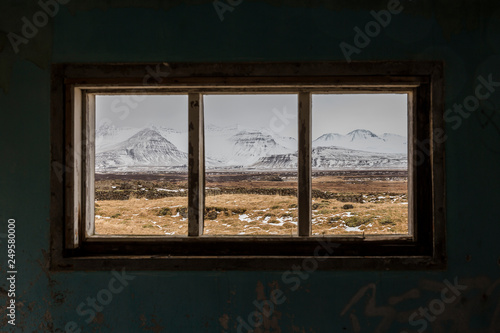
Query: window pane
column 141, row 160
column 359, row 162
column 251, row 164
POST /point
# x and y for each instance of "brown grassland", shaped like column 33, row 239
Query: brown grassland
column 354, row 202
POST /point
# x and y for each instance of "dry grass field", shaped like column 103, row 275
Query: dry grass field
column 257, row 204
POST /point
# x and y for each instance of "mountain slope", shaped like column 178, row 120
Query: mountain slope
column 340, row 158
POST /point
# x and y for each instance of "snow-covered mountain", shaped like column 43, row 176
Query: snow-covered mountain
column 157, row 147
column 358, row 149
column 249, row 146
column 365, row 140
column 146, row 148
column 108, row 135
column 242, row 146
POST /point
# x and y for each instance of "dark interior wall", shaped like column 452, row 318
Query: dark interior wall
column 464, row 34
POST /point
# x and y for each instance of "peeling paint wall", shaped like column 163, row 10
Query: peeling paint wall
column 465, row 34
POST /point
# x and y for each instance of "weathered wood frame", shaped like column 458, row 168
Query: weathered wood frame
column 73, row 245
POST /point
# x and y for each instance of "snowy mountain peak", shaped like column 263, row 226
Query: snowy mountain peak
column 106, row 129
column 252, row 135
column 361, row 134
column 329, row 137
column 147, row 134
column 365, row 140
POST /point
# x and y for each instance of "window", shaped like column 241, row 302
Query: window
column 141, row 155
column 250, row 160
column 360, row 178
column 247, row 166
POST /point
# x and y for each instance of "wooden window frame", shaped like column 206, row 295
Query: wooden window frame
column 74, row 247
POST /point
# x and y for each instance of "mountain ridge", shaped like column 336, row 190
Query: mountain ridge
column 241, row 147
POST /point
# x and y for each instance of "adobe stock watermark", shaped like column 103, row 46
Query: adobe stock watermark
column 126, row 103
column 40, row 19
column 371, row 30
column 437, row 306
column 93, row 305
column 292, row 278
column 281, row 120
column 455, row 115
column 222, row 6
column 471, row 103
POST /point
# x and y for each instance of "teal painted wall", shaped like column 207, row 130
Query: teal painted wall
column 464, row 34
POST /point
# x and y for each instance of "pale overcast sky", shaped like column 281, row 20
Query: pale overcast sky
column 142, row 110
column 277, row 113
column 379, row 113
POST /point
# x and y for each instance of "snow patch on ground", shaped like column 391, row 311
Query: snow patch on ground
column 347, row 228
column 167, row 190
column 245, row 218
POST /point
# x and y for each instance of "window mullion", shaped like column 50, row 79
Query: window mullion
column 196, row 168
column 72, row 169
column 305, row 164
column 88, row 174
